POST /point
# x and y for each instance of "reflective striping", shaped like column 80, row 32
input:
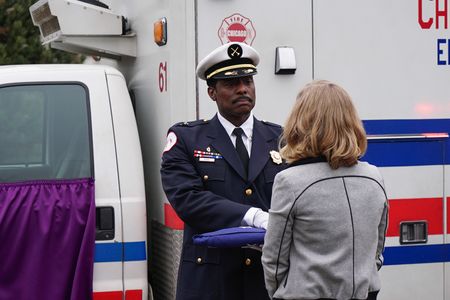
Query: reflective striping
column 407, row 136
column 118, row 295
column 135, row 251
column 111, row 252
column 448, row 215
column 171, row 218
column 403, row 255
column 133, row 295
column 108, row 252
column 398, row 153
column 408, row 152
column 426, row 209
column 411, row 126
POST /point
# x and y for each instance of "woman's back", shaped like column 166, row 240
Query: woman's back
column 333, row 228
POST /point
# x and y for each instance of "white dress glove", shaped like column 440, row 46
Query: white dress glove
column 261, row 219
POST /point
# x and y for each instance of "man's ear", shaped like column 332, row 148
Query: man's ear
column 212, row 93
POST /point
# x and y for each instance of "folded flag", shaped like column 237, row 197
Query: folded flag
column 233, row 237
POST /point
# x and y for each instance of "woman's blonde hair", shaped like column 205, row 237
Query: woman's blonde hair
column 324, row 122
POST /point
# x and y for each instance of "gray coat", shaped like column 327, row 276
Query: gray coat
column 326, row 232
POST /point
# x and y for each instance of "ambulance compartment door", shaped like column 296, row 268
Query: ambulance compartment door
column 413, row 170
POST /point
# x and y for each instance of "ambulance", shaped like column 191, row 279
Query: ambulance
column 393, row 57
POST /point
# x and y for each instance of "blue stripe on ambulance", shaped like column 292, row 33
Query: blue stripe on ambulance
column 112, row 252
column 407, row 152
column 406, row 126
column 423, row 254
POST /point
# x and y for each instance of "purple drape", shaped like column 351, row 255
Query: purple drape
column 47, row 236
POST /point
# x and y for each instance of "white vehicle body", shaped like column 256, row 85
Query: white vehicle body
column 393, row 57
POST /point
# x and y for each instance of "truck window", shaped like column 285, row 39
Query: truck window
column 44, row 132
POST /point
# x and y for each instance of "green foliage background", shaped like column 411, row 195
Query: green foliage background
column 20, row 40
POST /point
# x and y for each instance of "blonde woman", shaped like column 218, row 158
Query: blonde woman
column 328, row 215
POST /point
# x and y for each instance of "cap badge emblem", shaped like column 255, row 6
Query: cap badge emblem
column 231, row 73
column 235, row 51
column 276, row 157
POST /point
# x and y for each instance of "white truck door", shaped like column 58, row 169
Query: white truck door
column 70, row 135
column 109, row 255
column 132, row 190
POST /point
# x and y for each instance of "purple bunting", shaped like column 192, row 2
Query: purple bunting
column 47, row 239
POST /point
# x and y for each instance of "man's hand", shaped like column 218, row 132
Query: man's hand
column 261, row 219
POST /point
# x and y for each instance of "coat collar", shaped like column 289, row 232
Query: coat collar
column 308, row 160
column 259, row 153
column 222, row 143
column 260, row 149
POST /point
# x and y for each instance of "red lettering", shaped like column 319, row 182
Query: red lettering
column 442, row 13
column 439, row 13
column 162, row 77
column 422, row 23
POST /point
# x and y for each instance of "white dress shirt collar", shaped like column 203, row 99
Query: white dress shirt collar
column 247, row 126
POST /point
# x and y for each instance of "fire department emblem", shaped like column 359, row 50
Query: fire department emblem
column 237, row 28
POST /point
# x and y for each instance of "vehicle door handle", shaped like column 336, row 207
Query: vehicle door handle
column 413, row 232
column 104, row 223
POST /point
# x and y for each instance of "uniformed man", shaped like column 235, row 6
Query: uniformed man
column 219, row 174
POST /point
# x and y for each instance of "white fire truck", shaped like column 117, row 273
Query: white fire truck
column 392, row 56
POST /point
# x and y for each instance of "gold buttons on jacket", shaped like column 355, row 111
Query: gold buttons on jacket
column 248, row 192
column 199, row 260
column 205, row 177
column 248, row 262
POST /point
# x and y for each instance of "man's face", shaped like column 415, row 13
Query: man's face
column 235, row 98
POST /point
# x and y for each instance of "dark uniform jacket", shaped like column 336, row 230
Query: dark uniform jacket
column 216, row 194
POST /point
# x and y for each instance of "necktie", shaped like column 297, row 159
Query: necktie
column 240, row 147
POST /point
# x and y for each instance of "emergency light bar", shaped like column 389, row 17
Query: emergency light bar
column 81, row 27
